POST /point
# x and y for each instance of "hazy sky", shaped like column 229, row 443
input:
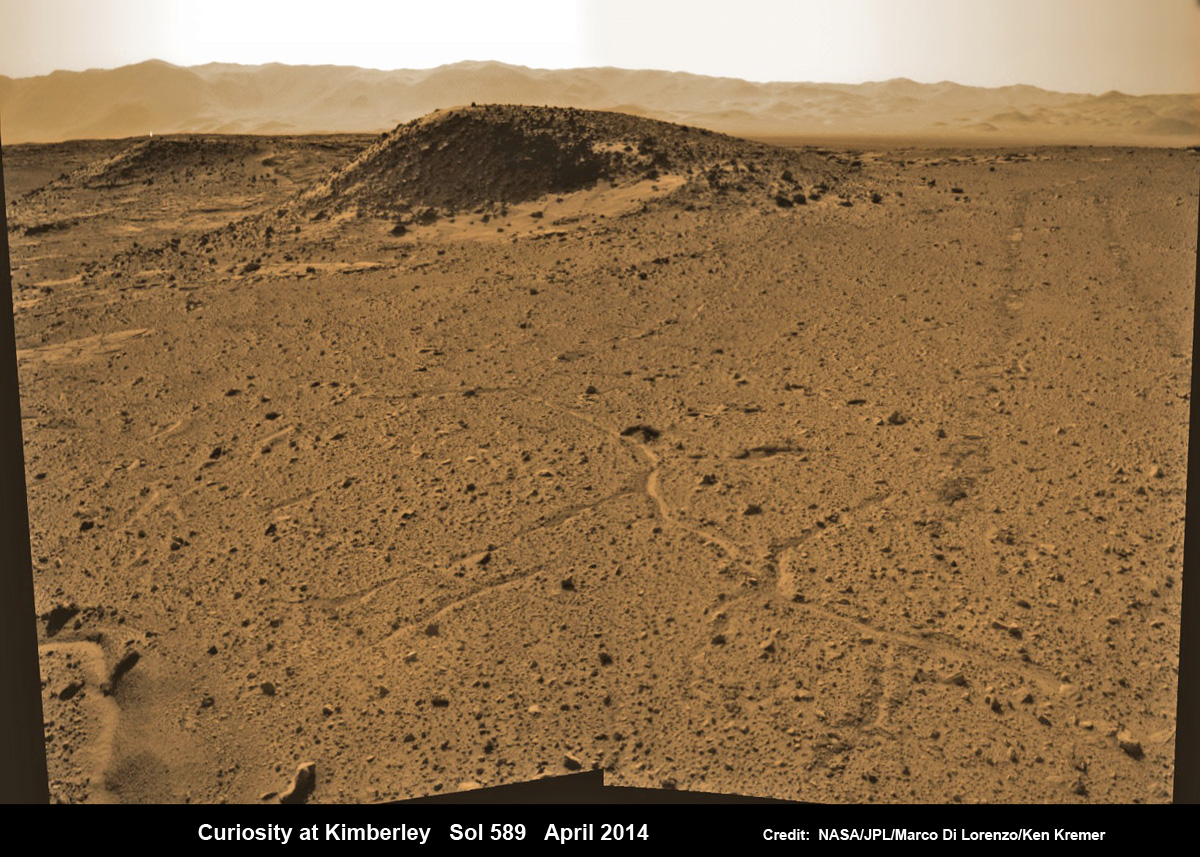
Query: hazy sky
column 1137, row 46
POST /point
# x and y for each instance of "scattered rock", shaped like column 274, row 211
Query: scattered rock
column 1013, row 629
column 953, row 490
column 302, row 785
column 57, row 617
column 425, row 215
column 648, row 434
column 119, row 671
column 1132, row 748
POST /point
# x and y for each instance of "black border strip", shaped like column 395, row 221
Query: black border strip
column 1187, row 714
column 23, row 777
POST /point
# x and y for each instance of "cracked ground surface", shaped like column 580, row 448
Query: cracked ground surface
column 870, row 503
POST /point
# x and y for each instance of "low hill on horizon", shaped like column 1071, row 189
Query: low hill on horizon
column 497, row 154
column 156, row 97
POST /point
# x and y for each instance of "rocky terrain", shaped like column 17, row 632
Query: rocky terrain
column 456, row 160
column 520, row 441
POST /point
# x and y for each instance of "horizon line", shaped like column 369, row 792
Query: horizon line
column 897, row 79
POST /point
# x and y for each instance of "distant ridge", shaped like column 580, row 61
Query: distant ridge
column 157, row 97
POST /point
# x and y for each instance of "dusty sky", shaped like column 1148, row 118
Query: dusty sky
column 1136, row 46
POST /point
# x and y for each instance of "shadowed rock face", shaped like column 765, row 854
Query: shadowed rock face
column 466, row 157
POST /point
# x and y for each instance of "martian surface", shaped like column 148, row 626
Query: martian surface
column 518, row 441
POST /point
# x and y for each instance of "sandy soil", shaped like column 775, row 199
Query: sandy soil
column 725, row 481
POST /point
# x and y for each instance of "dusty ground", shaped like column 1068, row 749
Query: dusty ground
column 868, row 502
